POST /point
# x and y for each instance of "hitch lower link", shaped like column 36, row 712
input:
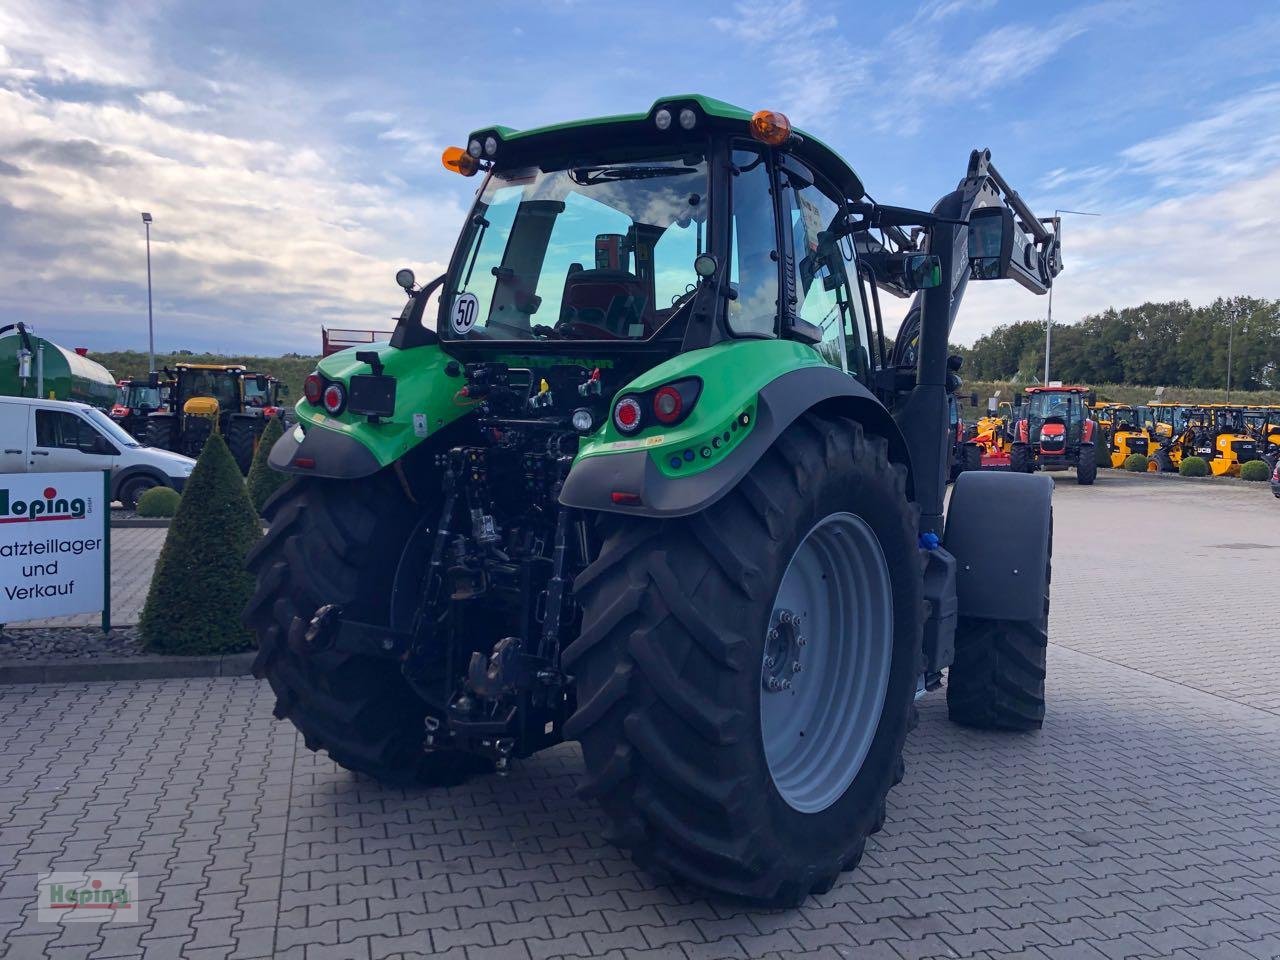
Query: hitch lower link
column 327, row 630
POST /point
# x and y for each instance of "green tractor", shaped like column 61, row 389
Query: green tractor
column 646, row 477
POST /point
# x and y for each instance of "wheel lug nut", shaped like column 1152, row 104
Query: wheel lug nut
column 773, row 634
column 769, row 661
column 801, row 641
column 795, row 667
column 786, row 684
column 775, row 684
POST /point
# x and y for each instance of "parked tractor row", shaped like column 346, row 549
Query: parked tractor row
column 1055, row 427
column 180, row 409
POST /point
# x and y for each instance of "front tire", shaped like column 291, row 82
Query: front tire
column 340, row 542
column 673, row 685
column 242, row 436
column 133, row 489
column 1020, row 458
column 1086, row 464
column 161, row 433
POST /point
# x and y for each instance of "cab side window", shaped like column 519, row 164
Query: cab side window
column 822, row 290
column 753, row 256
column 63, row 430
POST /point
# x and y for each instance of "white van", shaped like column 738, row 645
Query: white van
column 52, row 436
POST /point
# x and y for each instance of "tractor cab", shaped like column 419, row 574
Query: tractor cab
column 206, row 399
column 1057, row 431
column 263, row 395
column 139, row 398
column 1127, row 432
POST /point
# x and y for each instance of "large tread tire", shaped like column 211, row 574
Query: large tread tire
column 668, row 672
column 972, row 457
column 1020, row 458
column 242, row 434
column 1087, row 464
column 996, row 681
column 161, row 433
column 340, row 542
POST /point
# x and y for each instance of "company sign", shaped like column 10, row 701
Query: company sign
column 53, row 544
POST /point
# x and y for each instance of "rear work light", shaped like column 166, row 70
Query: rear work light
column 334, row 399
column 312, row 388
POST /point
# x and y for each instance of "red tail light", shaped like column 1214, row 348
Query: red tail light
column 312, row 388
column 626, row 415
column 334, row 399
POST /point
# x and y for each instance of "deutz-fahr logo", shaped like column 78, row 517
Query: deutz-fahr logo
column 52, row 507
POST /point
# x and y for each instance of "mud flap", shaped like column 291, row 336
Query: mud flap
column 998, row 527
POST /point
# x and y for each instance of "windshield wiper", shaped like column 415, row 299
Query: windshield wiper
column 584, row 176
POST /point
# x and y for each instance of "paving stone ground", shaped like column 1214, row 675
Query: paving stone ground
column 1143, row 821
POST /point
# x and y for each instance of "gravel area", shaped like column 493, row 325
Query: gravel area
column 19, row 645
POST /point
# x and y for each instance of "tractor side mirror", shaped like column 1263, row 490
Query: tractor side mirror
column 993, row 404
column 1017, row 398
column 973, row 399
column 923, row 271
column 261, row 381
column 284, row 389
column 999, row 249
column 153, row 380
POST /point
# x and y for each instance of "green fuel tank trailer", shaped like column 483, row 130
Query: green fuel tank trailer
column 32, row 366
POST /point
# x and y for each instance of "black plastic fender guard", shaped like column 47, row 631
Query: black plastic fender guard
column 998, row 529
column 593, row 480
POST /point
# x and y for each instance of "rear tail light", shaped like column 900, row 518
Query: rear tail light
column 626, row 415
column 667, row 404
column 312, row 388
column 334, row 399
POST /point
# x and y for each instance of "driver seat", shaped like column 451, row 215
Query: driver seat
column 613, row 300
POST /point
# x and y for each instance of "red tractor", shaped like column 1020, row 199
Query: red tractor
column 1056, row 432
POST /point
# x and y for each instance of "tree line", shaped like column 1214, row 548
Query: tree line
column 1172, row 343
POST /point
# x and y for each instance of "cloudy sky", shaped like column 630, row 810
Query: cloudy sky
column 289, row 152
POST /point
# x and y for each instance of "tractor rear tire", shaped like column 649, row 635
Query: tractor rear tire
column 242, row 436
column 972, row 457
column 1020, row 458
column 161, row 433
column 340, row 542
column 1087, row 464
column 673, row 682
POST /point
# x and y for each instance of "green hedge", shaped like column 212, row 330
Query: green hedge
column 1194, row 467
column 200, row 585
column 263, row 481
column 1255, row 470
column 1136, row 463
column 158, row 502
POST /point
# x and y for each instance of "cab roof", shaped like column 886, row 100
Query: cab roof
column 721, row 114
column 1058, row 389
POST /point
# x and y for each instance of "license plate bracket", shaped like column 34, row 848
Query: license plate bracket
column 371, row 395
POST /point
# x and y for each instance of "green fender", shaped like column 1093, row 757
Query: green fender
column 752, row 390
column 349, row 446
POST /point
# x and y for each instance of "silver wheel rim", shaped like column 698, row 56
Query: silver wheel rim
column 827, row 655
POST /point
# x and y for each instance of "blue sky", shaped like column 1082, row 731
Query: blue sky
column 290, row 152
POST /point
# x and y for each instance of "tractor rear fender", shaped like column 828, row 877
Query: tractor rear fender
column 640, row 477
column 998, row 529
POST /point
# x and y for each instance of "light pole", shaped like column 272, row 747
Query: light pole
column 151, row 335
column 1048, row 327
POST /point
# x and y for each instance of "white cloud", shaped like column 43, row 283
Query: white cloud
column 1196, row 247
column 65, row 42
column 166, row 104
column 1239, row 139
column 260, row 236
column 379, row 117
